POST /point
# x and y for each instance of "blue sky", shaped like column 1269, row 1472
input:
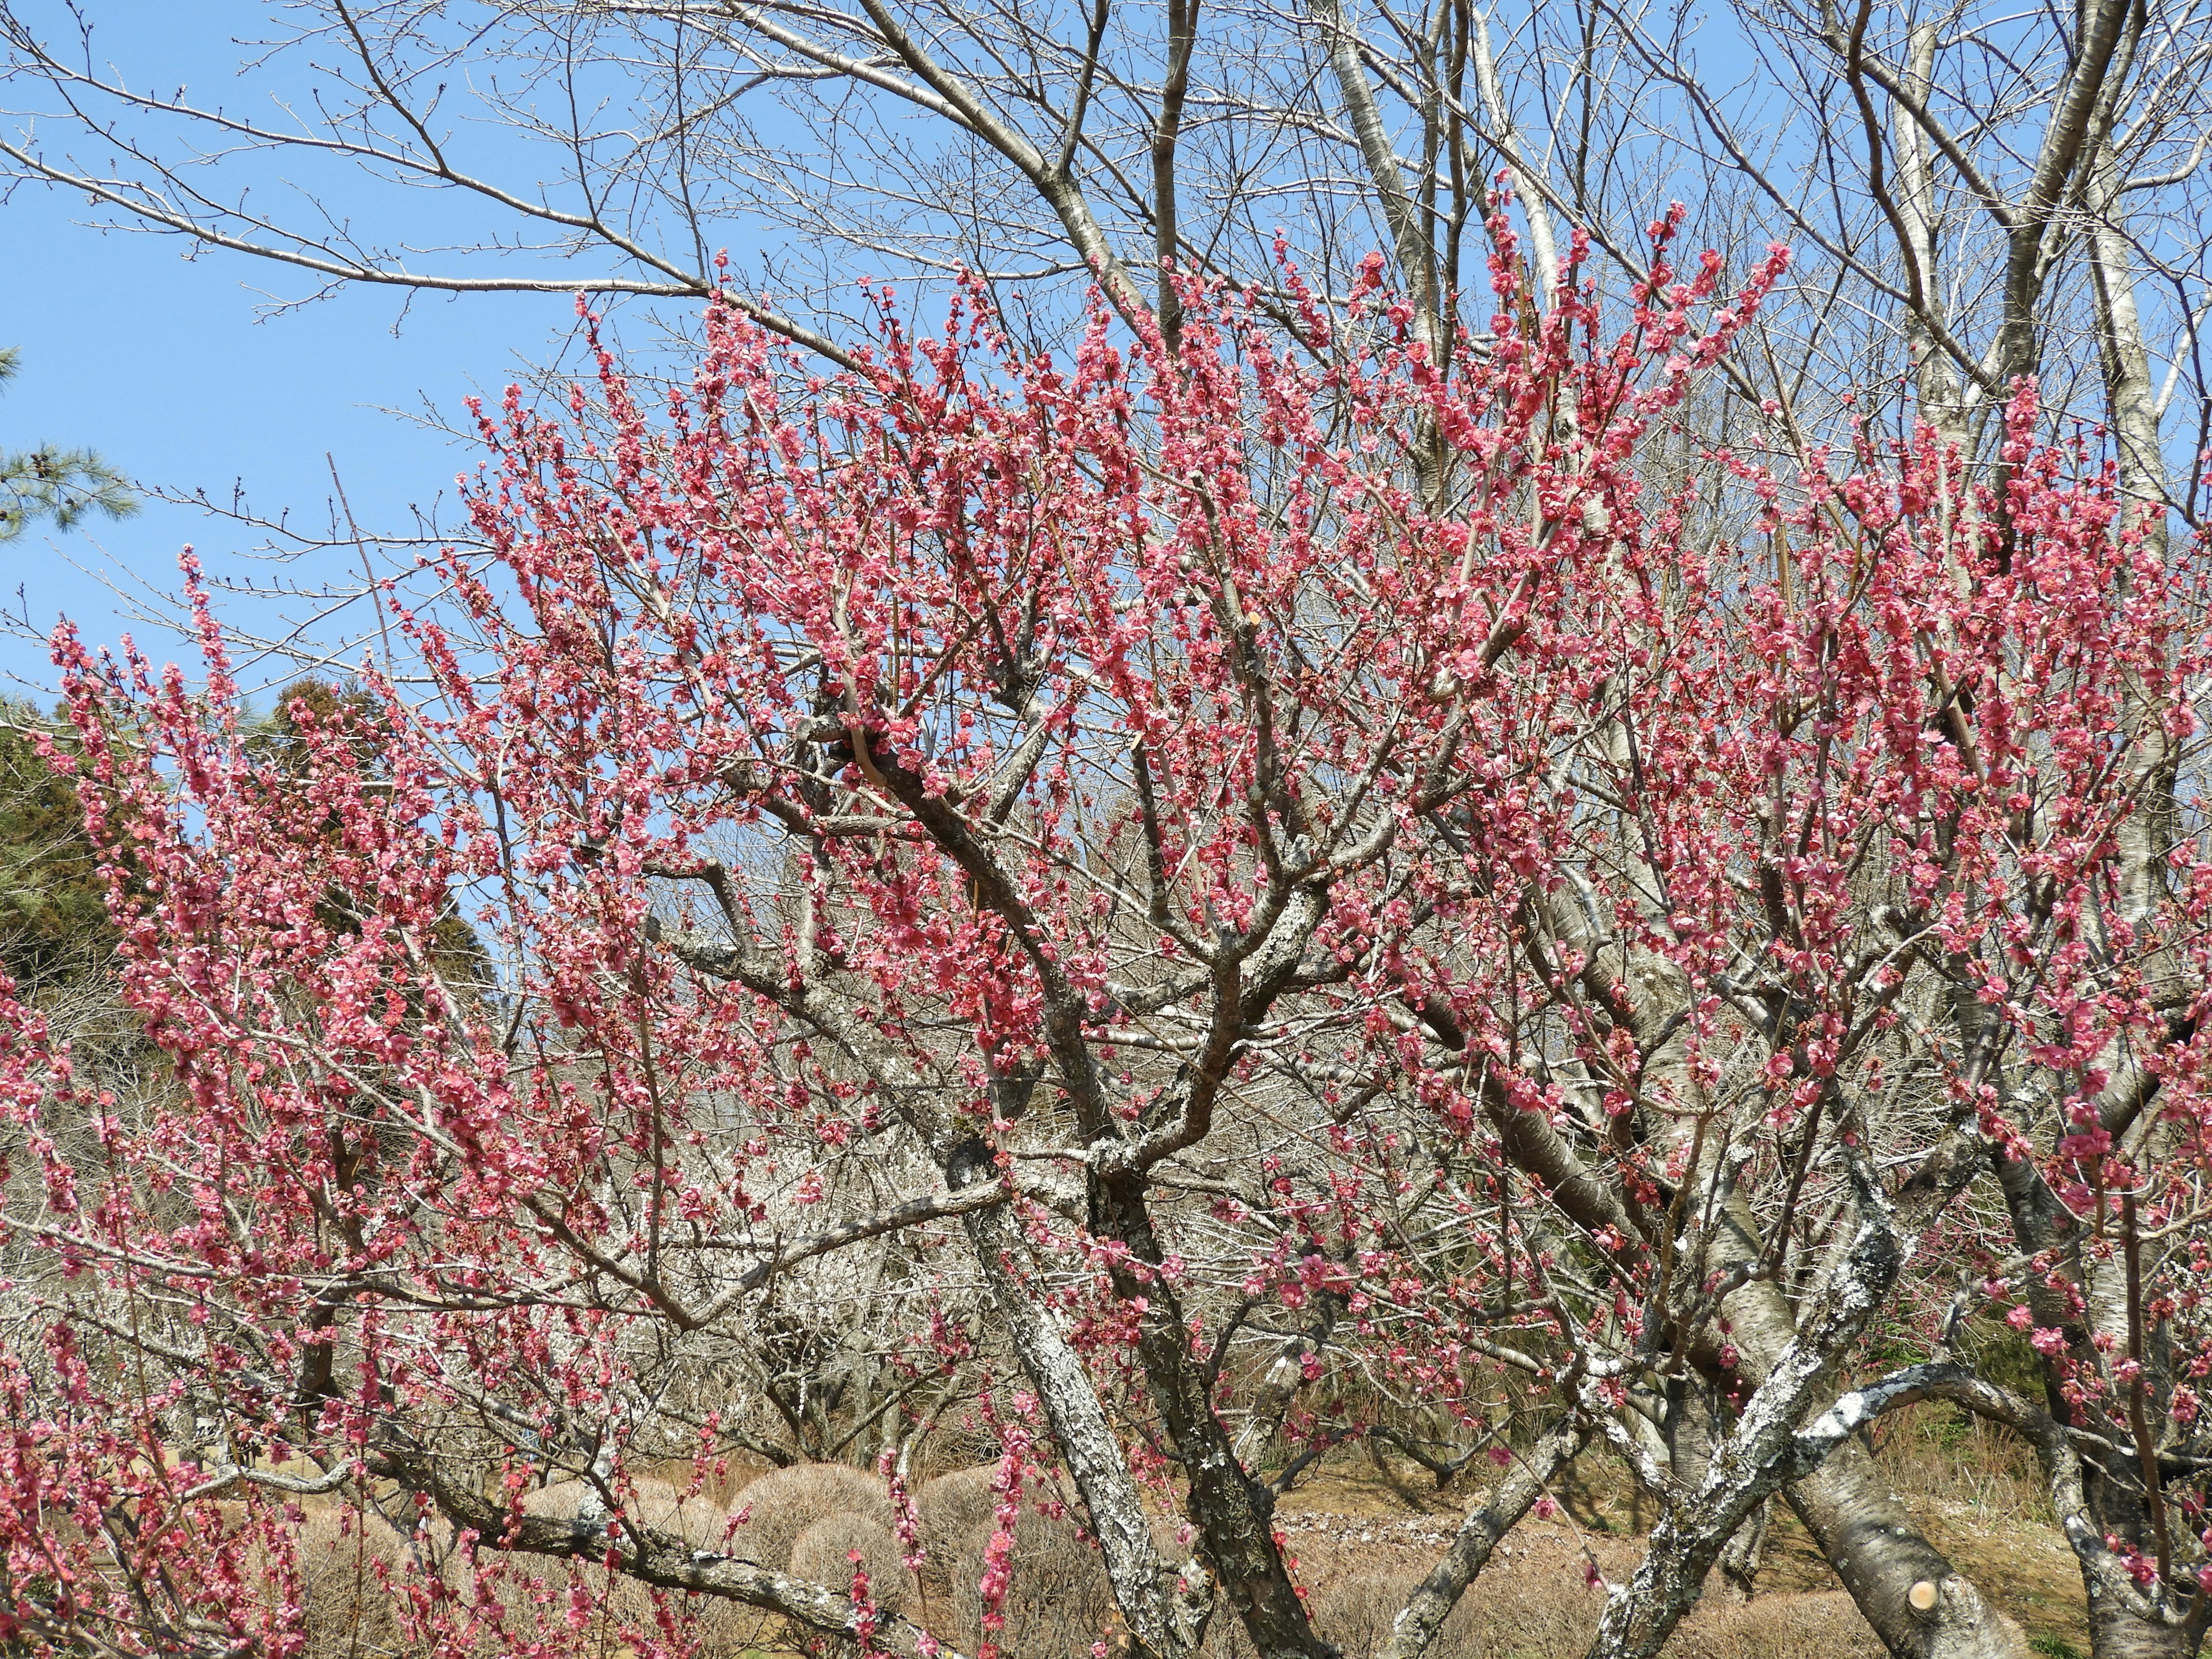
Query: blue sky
column 164, row 364
column 167, row 365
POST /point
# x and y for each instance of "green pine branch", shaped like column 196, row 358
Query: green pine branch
column 52, row 483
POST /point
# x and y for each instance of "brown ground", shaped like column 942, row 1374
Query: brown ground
column 1363, row 1529
column 1362, row 1521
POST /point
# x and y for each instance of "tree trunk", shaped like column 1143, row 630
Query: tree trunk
column 1165, row 1621
column 2116, row 1633
column 1692, row 1424
column 1741, row 1558
column 1233, row 1511
column 1881, row 1554
column 1866, row 1534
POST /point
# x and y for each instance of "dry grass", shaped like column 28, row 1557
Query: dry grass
column 1822, row 1625
column 1939, row 1455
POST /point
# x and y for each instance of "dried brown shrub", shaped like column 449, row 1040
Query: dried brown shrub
column 347, row 1559
column 1533, row 1603
column 1060, row 1601
column 778, row 1507
column 1538, row 1604
column 952, row 1510
column 824, row 1553
column 530, row 1590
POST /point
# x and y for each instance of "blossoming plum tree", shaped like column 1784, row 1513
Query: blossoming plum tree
column 1214, row 899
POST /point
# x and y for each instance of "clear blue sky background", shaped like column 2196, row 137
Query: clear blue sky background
column 162, row 361
column 162, row 365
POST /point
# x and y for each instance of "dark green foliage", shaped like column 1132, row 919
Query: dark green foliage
column 54, row 925
column 53, row 483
